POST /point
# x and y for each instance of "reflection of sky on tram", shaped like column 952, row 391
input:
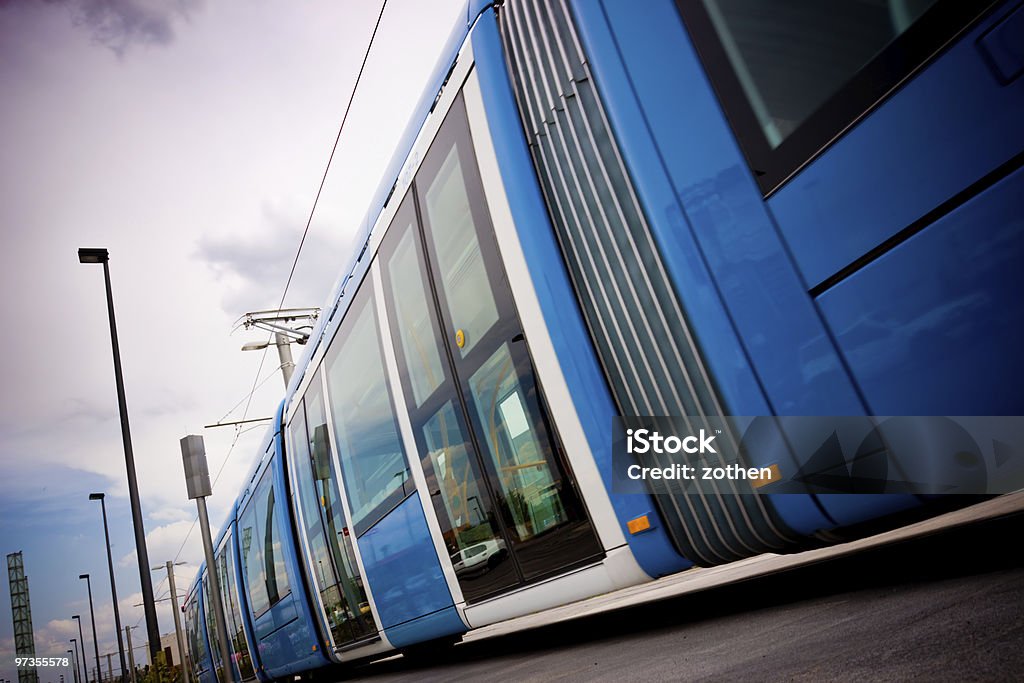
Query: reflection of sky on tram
column 188, row 138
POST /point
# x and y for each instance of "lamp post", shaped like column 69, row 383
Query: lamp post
column 92, row 615
column 152, row 625
column 284, row 354
column 81, row 644
column 279, row 322
column 113, row 588
column 74, row 665
column 78, row 671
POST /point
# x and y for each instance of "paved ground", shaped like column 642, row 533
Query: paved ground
column 943, row 600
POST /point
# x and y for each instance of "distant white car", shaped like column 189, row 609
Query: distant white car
column 478, row 556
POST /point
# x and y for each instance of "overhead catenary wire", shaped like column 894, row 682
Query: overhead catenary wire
column 242, row 400
column 320, row 189
column 257, row 383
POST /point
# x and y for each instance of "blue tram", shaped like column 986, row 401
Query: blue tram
column 699, row 208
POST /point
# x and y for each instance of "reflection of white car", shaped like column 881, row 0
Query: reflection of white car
column 478, row 556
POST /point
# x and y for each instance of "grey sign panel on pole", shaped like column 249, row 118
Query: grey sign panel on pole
column 197, row 474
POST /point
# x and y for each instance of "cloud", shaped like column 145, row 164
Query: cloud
column 163, row 542
column 63, row 627
column 171, row 514
column 254, row 265
column 119, row 24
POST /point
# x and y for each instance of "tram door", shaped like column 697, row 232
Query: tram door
column 499, row 482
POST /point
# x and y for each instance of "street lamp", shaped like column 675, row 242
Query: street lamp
column 113, row 588
column 278, row 322
column 92, row 614
column 152, row 625
column 81, row 644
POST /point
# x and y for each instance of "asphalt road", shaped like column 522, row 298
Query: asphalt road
column 946, row 607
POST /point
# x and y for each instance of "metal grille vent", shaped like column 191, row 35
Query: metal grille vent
column 649, row 356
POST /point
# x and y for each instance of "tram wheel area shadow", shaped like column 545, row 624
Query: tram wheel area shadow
column 973, row 549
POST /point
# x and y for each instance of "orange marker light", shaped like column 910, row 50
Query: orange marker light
column 639, row 524
column 775, row 476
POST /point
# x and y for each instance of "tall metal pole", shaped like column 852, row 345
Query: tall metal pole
column 131, row 655
column 74, row 666
column 211, row 575
column 197, row 482
column 113, row 588
column 92, row 615
column 177, row 621
column 110, row 667
column 149, row 606
column 81, row 643
column 78, row 671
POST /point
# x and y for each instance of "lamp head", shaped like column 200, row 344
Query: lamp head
column 83, row 576
column 96, row 496
column 76, row 617
column 93, row 256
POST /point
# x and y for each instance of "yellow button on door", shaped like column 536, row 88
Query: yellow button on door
column 460, row 338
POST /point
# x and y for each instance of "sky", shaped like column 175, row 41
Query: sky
column 188, row 138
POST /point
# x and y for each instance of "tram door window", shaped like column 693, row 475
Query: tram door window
column 454, row 475
column 333, row 565
column 499, row 477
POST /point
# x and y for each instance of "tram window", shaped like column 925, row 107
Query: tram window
column 309, row 487
column 192, row 631
column 252, row 560
column 239, row 646
column 211, row 626
column 376, row 473
column 273, row 557
column 793, row 74
column 262, row 556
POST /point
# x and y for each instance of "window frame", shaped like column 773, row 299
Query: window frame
column 898, row 62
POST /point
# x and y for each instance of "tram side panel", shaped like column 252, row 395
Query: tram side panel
column 843, row 283
column 670, row 118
